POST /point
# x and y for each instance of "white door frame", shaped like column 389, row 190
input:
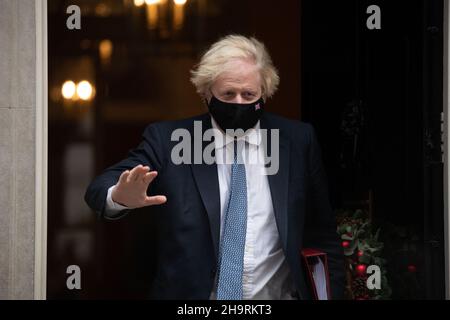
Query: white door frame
column 40, row 241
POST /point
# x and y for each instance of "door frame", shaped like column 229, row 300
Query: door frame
column 446, row 132
column 41, row 156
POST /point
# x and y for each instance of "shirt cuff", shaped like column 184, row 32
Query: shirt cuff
column 111, row 206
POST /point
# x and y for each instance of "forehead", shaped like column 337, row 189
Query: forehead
column 239, row 74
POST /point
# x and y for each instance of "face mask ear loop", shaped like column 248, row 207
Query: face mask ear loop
column 263, row 95
column 212, row 95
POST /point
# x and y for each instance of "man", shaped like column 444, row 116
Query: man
column 230, row 229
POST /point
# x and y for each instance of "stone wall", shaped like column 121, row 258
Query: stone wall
column 17, row 148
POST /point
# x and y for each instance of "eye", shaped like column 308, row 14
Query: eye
column 228, row 95
column 249, row 94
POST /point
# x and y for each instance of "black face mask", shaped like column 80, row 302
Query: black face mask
column 236, row 115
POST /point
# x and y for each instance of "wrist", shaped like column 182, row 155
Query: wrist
column 114, row 197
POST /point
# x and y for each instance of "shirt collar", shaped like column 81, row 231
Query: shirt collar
column 221, row 139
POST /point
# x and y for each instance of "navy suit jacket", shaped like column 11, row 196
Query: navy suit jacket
column 188, row 224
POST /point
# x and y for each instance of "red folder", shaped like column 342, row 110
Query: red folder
column 316, row 266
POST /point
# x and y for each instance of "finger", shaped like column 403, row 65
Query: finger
column 134, row 173
column 140, row 173
column 149, row 176
column 123, row 177
column 155, row 200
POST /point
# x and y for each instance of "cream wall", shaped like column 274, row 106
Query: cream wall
column 20, row 108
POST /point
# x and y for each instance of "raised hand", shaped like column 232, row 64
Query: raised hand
column 131, row 189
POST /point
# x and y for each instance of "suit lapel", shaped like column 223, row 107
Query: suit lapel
column 207, row 181
column 278, row 182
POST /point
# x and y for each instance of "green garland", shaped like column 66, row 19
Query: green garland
column 362, row 248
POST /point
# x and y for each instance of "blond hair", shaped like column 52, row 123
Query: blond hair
column 235, row 47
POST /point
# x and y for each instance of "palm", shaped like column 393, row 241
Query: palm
column 131, row 189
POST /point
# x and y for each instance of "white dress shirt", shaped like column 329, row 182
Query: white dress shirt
column 266, row 274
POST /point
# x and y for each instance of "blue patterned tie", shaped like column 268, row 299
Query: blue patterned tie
column 231, row 257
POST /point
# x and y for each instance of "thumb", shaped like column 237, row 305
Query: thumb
column 154, row 200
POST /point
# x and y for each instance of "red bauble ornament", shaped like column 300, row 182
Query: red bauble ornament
column 360, row 253
column 412, row 268
column 345, row 244
column 361, row 269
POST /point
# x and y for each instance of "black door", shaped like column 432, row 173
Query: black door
column 375, row 99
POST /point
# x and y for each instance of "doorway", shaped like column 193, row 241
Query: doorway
column 375, row 98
